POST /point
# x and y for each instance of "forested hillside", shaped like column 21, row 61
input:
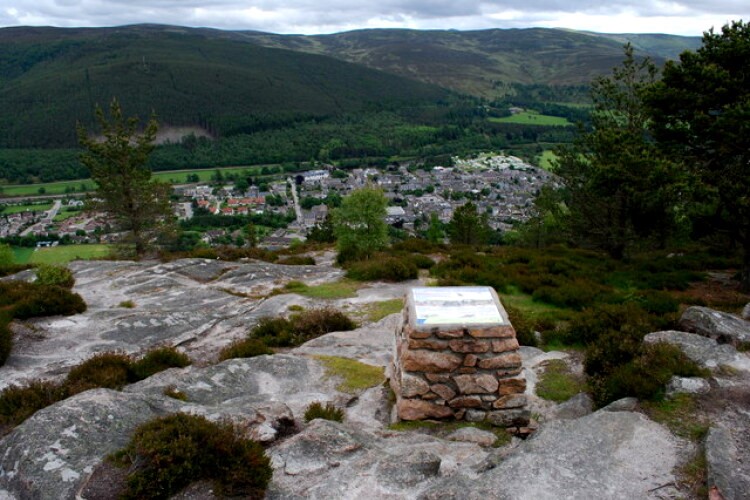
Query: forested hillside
column 267, row 98
column 51, row 78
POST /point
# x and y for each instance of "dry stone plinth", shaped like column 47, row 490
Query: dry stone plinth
column 456, row 357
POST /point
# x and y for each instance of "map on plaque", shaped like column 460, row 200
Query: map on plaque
column 455, row 305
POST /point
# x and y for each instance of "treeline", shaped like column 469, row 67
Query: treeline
column 372, row 138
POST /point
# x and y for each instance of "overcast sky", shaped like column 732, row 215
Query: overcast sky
column 681, row 17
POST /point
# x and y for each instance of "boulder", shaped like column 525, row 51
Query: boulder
column 473, row 435
column 329, row 460
column 604, row 455
column 746, row 312
column 723, row 327
column 705, row 351
column 369, row 343
column 624, row 404
column 688, row 385
column 578, row 406
column 51, row 454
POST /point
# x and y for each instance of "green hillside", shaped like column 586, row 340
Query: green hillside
column 483, row 62
column 50, row 78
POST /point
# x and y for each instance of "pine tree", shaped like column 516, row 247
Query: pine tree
column 138, row 204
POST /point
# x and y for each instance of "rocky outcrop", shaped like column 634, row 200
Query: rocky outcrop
column 54, row 452
column 199, row 305
column 605, row 455
column 723, row 327
column 578, row 406
column 706, row 352
column 687, row 385
column 58, row 452
column 724, row 468
column 329, row 460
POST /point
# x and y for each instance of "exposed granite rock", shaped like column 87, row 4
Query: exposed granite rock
column 473, row 435
column 704, row 351
column 578, row 406
column 53, row 452
column 604, row 455
column 724, row 469
column 723, row 327
column 688, row 385
column 184, row 303
column 372, row 344
column 624, row 404
column 328, row 460
column 746, row 312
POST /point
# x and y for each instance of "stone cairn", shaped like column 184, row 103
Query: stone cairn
column 456, row 358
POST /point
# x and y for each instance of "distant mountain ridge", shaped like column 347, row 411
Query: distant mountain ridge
column 240, row 81
column 481, row 62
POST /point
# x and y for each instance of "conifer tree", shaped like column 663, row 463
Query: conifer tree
column 117, row 159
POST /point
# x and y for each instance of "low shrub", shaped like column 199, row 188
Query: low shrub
column 6, row 338
column 203, row 253
column 610, row 350
column 300, row 327
column 418, row 245
column 645, row 375
column 656, row 302
column 127, row 304
column 110, row 370
column 382, row 267
column 574, row 294
column 47, row 274
column 587, row 326
column 297, row 260
column 168, row 453
column 246, row 348
column 43, row 300
column 327, row 412
column 17, row 403
column 422, row 261
column 228, row 253
column 158, row 360
column 172, row 392
column 316, row 322
column 523, row 326
column 273, row 332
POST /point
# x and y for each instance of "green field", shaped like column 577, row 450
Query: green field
column 532, row 118
column 14, row 209
column 180, row 176
column 60, row 254
column 67, row 213
column 61, row 187
column 21, row 255
column 546, row 158
column 170, row 176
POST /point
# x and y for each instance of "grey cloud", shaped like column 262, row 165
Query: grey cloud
column 336, row 15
